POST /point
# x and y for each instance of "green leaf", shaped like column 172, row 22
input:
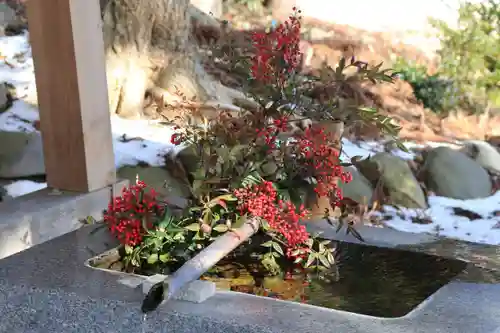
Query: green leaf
column 265, row 225
column 221, row 228
column 164, row 257
column 153, row 258
column 179, row 236
column 197, row 184
column 278, row 248
column 310, row 260
column 250, row 180
column 240, row 221
column 193, row 227
column 235, row 152
column 267, row 244
column 321, row 248
column 128, row 249
column 135, row 262
column 331, row 258
column 324, row 261
column 153, row 241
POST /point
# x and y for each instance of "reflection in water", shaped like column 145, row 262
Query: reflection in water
column 481, row 255
column 373, row 281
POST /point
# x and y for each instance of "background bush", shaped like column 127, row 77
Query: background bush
column 470, row 54
column 434, row 91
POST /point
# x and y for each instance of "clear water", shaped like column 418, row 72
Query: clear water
column 367, row 280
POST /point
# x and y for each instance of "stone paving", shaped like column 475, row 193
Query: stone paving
column 47, row 288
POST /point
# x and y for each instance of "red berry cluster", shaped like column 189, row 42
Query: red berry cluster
column 277, row 52
column 314, row 146
column 282, row 216
column 129, row 214
column 177, row 138
column 270, row 133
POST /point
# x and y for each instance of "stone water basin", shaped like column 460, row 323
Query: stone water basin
column 367, row 280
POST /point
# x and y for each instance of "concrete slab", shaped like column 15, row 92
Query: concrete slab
column 42, row 215
column 48, row 289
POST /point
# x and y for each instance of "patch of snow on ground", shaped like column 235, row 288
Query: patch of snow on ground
column 19, row 117
column 442, row 220
column 137, row 141
column 22, row 187
column 370, row 148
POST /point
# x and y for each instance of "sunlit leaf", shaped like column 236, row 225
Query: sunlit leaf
column 153, row 258
column 331, row 258
column 164, row 257
column 193, row 227
column 221, row 228
column 310, row 260
column 324, row 261
column 278, row 248
column 128, row 249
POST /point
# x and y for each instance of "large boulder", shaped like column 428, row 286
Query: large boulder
column 10, row 22
column 451, row 173
column 21, row 154
column 5, row 98
column 483, row 153
column 399, row 184
column 156, row 177
column 359, row 189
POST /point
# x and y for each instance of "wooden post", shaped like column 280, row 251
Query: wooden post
column 68, row 54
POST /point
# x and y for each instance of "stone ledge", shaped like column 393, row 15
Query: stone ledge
column 42, row 215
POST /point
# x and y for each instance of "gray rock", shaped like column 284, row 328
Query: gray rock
column 7, row 14
column 157, row 177
column 21, row 154
column 5, row 101
column 483, row 153
column 3, row 97
column 359, row 189
column 451, row 173
column 399, row 183
column 8, row 18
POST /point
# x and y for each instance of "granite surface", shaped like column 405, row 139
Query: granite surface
column 48, row 289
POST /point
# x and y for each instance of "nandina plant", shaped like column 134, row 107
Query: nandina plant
column 273, row 163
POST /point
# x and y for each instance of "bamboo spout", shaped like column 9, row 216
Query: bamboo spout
column 197, row 266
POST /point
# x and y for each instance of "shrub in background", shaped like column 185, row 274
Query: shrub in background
column 470, row 54
column 434, row 91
